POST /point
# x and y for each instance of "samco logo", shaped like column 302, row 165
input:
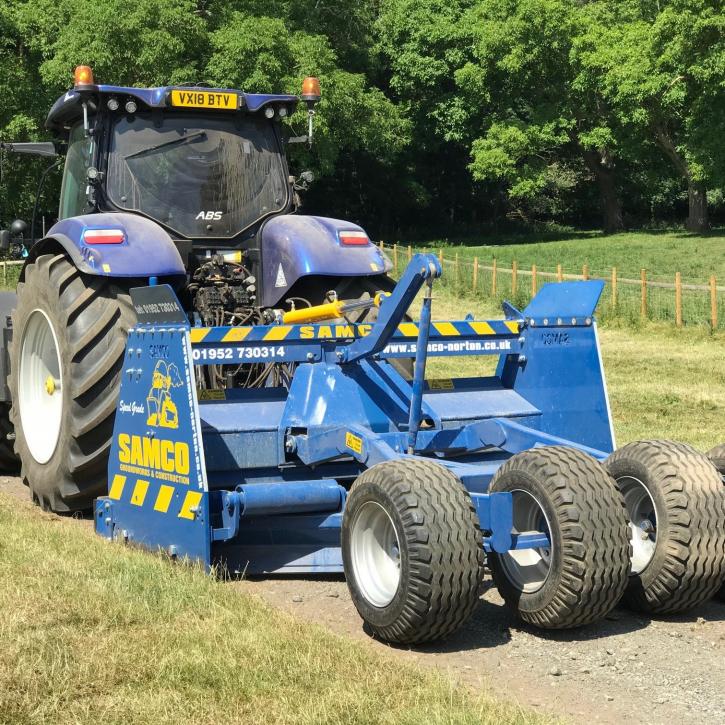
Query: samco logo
column 161, row 408
column 154, row 453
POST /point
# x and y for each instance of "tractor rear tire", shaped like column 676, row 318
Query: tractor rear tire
column 412, row 551
column 580, row 578
column 683, row 527
column 9, row 462
column 717, row 456
column 69, row 338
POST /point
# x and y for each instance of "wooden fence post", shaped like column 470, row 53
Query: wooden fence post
column 410, row 252
column 614, row 288
column 514, row 277
column 559, row 273
column 533, row 280
column 5, row 273
column 585, row 271
column 493, row 278
column 381, row 245
column 440, row 256
column 678, row 299
column 458, row 272
column 395, row 257
column 713, row 301
column 474, row 284
column 643, row 279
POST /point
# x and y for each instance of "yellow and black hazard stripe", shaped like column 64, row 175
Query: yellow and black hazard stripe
column 164, row 499
column 278, row 333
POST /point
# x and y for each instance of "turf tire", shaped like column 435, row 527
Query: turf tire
column 90, row 317
column 441, row 550
column 589, row 556
column 717, row 456
column 688, row 565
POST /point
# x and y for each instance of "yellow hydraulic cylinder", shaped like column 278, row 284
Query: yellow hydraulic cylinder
column 328, row 311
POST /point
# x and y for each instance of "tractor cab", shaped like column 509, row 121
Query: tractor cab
column 208, row 165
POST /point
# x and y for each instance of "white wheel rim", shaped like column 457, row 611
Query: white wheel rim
column 375, row 553
column 528, row 569
column 40, row 387
column 642, row 520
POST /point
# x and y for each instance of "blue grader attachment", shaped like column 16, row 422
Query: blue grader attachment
column 256, row 480
column 293, row 479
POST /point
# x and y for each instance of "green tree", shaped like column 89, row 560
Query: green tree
column 546, row 115
column 661, row 65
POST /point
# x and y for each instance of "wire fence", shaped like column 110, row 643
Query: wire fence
column 624, row 298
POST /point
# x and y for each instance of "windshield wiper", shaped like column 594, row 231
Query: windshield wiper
column 180, row 139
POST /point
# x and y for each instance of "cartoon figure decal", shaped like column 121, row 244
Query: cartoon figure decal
column 161, row 408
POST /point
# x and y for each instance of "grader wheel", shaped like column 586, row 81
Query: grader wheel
column 675, row 503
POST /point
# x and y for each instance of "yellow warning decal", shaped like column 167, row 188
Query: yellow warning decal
column 106, row 268
column 236, row 334
column 513, row 326
column 116, row 490
column 278, row 332
column 191, row 502
column 139, row 492
column 446, row 328
column 354, row 443
column 441, row 384
column 409, row 329
column 482, row 328
column 163, row 500
column 211, row 394
column 199, row 333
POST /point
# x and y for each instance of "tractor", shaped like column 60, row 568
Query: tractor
column 229, row 382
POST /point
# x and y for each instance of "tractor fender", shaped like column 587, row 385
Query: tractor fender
column 296, row 246
column 146, row 251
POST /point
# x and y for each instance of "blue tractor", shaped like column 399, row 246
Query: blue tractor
column 235, row 384
column 185, row 185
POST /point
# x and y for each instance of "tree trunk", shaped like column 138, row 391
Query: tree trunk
column 600, row 165
column 697, row 220
column 697, row 217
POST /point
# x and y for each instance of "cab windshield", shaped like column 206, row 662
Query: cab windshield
column 201, row 176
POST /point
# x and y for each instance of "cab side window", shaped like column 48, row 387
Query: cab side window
column 73, row 199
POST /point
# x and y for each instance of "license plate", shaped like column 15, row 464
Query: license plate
column 205, row 99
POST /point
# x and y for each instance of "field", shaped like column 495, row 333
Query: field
column 696, row 257
column 663, row 383
column 93, row 632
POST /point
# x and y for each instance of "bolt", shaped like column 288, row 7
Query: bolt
column 546, row 321
column 107, row 521
column 290, row 444
column 522, row 340
column 522, row 359
column 310, row 356
column 173, row 551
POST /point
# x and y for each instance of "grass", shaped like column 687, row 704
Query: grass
column 663, row 382
column 95, row 632
column 695, row 256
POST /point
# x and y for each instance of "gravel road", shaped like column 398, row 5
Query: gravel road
column 628, row 668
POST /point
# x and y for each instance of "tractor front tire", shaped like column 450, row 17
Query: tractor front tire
column 717, row 456
column 69, row 338
column 580, row 578
column 412, row 551
column 675, row 504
